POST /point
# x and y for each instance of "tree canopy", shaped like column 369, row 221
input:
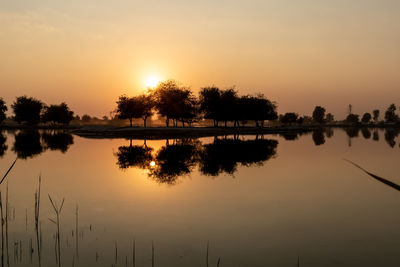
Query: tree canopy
column 3, row 109
column 57, row 114
column 27, row 109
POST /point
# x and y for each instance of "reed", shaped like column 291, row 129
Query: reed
column 38, row 231
column 57, row 211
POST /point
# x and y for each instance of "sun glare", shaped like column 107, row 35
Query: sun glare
column 153, row 163
column 152, row 81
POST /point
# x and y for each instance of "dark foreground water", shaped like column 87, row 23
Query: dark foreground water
column 258, row 201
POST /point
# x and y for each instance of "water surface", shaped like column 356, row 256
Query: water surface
column 259, row 201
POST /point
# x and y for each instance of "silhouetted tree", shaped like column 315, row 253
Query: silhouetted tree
column 289, row 118
column 128, row 108
column 319, row 114
column 318, row 137
column 352, row 118
column 57, row 114
column 27, row 144
column 57, row 141
column 329, row 132
column 256, row 108
column 3, row 109
column 329, row 117
column 366, row 118
column 209, row 104
column 175, row 102
column 376, row 115
column 86, row 118
column 146, row 105
column 229, row 106
column 3, row 145
column 27, row 109
column 390, row 115
column 366, row 133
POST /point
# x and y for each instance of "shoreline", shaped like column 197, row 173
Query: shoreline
column 111, row 132
column 100, row 132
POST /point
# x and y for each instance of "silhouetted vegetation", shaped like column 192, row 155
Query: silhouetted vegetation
column 179, row 158
column 375, row 115
column 175, row 102
column 27, row 109
column 390, row 115
column 135, row 107
column 3, row 145
column 366, row 133
column 319, row 114
column 288, row 118
column 318, row 137
column 352, row 131
column 223, row 155
column 57, row 141
column 366, row 118
column 352, row 118
column 173, row 161
column 390, row 135
column 134, row 156
column 3, row 109
column 57, row 114
column 27, row 144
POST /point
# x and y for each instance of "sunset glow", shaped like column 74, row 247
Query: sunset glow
column 152, row 81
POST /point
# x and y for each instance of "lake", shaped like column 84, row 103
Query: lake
column 269, row 200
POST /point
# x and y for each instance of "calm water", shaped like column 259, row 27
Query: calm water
column 259, row 202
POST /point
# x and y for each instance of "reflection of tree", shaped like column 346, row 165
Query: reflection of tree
column 58, row 141
column 390, row 135
column 27, row 144
column 224, row 154
column 134, row 156
column 366, row 133
column 352, row 131
column 375, row 136
column 290, row 136
column 329, row 132
column 3, row 146
column 174, row 160
column 318, row 137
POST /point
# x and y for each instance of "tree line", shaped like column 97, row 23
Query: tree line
column 32, row 111
column 177, row 104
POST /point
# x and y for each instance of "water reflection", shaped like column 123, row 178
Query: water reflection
column 390, row 135
column 181, row 157
column 3, row 146
column 28, row 144
column 318, row 137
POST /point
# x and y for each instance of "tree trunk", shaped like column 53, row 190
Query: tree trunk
column 183, row 123
column 144, row 122
column 225, row 124
column 167, row 122
column 130, row 120
column 257, row 123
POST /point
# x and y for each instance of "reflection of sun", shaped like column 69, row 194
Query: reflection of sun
column 153, row 163
column 152, row 81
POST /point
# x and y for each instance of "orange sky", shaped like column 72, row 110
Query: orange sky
column 89, row 52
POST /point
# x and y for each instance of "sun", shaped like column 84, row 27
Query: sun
column 152, row 164
column 152, row 81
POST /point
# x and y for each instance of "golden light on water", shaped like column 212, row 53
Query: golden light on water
column 152, row 81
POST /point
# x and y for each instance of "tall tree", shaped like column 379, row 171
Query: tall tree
column 128, row 108
column 376, row 115
column 366, row 118
column 209, row 103
column 319, row 114
column 57, row 114
column 3, row 109
column 27, row 109
column 390, row 115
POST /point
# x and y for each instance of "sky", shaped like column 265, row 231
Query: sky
column 299, row 53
